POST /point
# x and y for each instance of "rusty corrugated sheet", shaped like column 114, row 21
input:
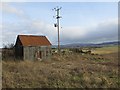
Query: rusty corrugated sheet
column 30, row 40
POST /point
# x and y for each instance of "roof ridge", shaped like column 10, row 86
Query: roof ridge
column 33, row 35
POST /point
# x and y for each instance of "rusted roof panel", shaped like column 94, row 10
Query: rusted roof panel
column 31, row 40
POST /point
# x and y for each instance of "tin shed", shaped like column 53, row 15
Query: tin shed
column 30, row 47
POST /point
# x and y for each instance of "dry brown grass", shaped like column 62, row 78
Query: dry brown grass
column 64, row 71
column 106, row 50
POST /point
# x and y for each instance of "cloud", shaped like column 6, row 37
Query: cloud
column 27, row 26
column 34, row 27
column 7, row 8
column 41, row 28
column 103, row 31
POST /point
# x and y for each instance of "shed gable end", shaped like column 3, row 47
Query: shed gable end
column 18, row 42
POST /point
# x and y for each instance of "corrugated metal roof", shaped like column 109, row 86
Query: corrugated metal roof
column 31, row 40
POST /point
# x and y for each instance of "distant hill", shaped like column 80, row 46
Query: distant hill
column 75, row 45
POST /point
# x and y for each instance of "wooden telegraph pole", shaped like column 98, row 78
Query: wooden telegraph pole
column 57, row 9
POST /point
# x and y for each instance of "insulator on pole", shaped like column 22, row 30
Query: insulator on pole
column 55, row 25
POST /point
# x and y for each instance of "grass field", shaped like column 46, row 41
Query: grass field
column 64, row 71
column 106, row 50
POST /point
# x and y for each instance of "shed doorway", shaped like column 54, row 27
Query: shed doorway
column 38, row 55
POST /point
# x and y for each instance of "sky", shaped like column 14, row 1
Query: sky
column 81, row 22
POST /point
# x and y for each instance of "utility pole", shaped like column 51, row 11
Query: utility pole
column 57, row 9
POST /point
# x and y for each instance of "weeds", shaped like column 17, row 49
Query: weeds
column 68, row 71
